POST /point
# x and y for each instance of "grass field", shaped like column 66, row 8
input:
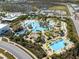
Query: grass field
column 60, row 7
column 6, row 54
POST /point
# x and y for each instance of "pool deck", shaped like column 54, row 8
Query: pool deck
column 35, row 25
column 59, row 45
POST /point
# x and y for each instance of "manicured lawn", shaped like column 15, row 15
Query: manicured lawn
column 60, row 7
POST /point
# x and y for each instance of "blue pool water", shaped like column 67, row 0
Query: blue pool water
column 56, row 46
column 35, row 26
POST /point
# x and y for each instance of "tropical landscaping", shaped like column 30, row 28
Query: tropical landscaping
column 60, row 7
column 47, row 31
column 45, row 36
column 36, row 41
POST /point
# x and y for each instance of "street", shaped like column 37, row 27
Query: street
column 76, row 22
column 19, row 53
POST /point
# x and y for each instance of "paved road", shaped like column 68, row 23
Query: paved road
column 20, row 54
column 76, row 22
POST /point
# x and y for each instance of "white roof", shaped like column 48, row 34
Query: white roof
column 76, row 8
column 74, row 5
column 11, row 16
column 9, row 19
column 3, row 25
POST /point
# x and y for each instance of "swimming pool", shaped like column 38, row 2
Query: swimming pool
column 57, row 45
column 35, row 26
